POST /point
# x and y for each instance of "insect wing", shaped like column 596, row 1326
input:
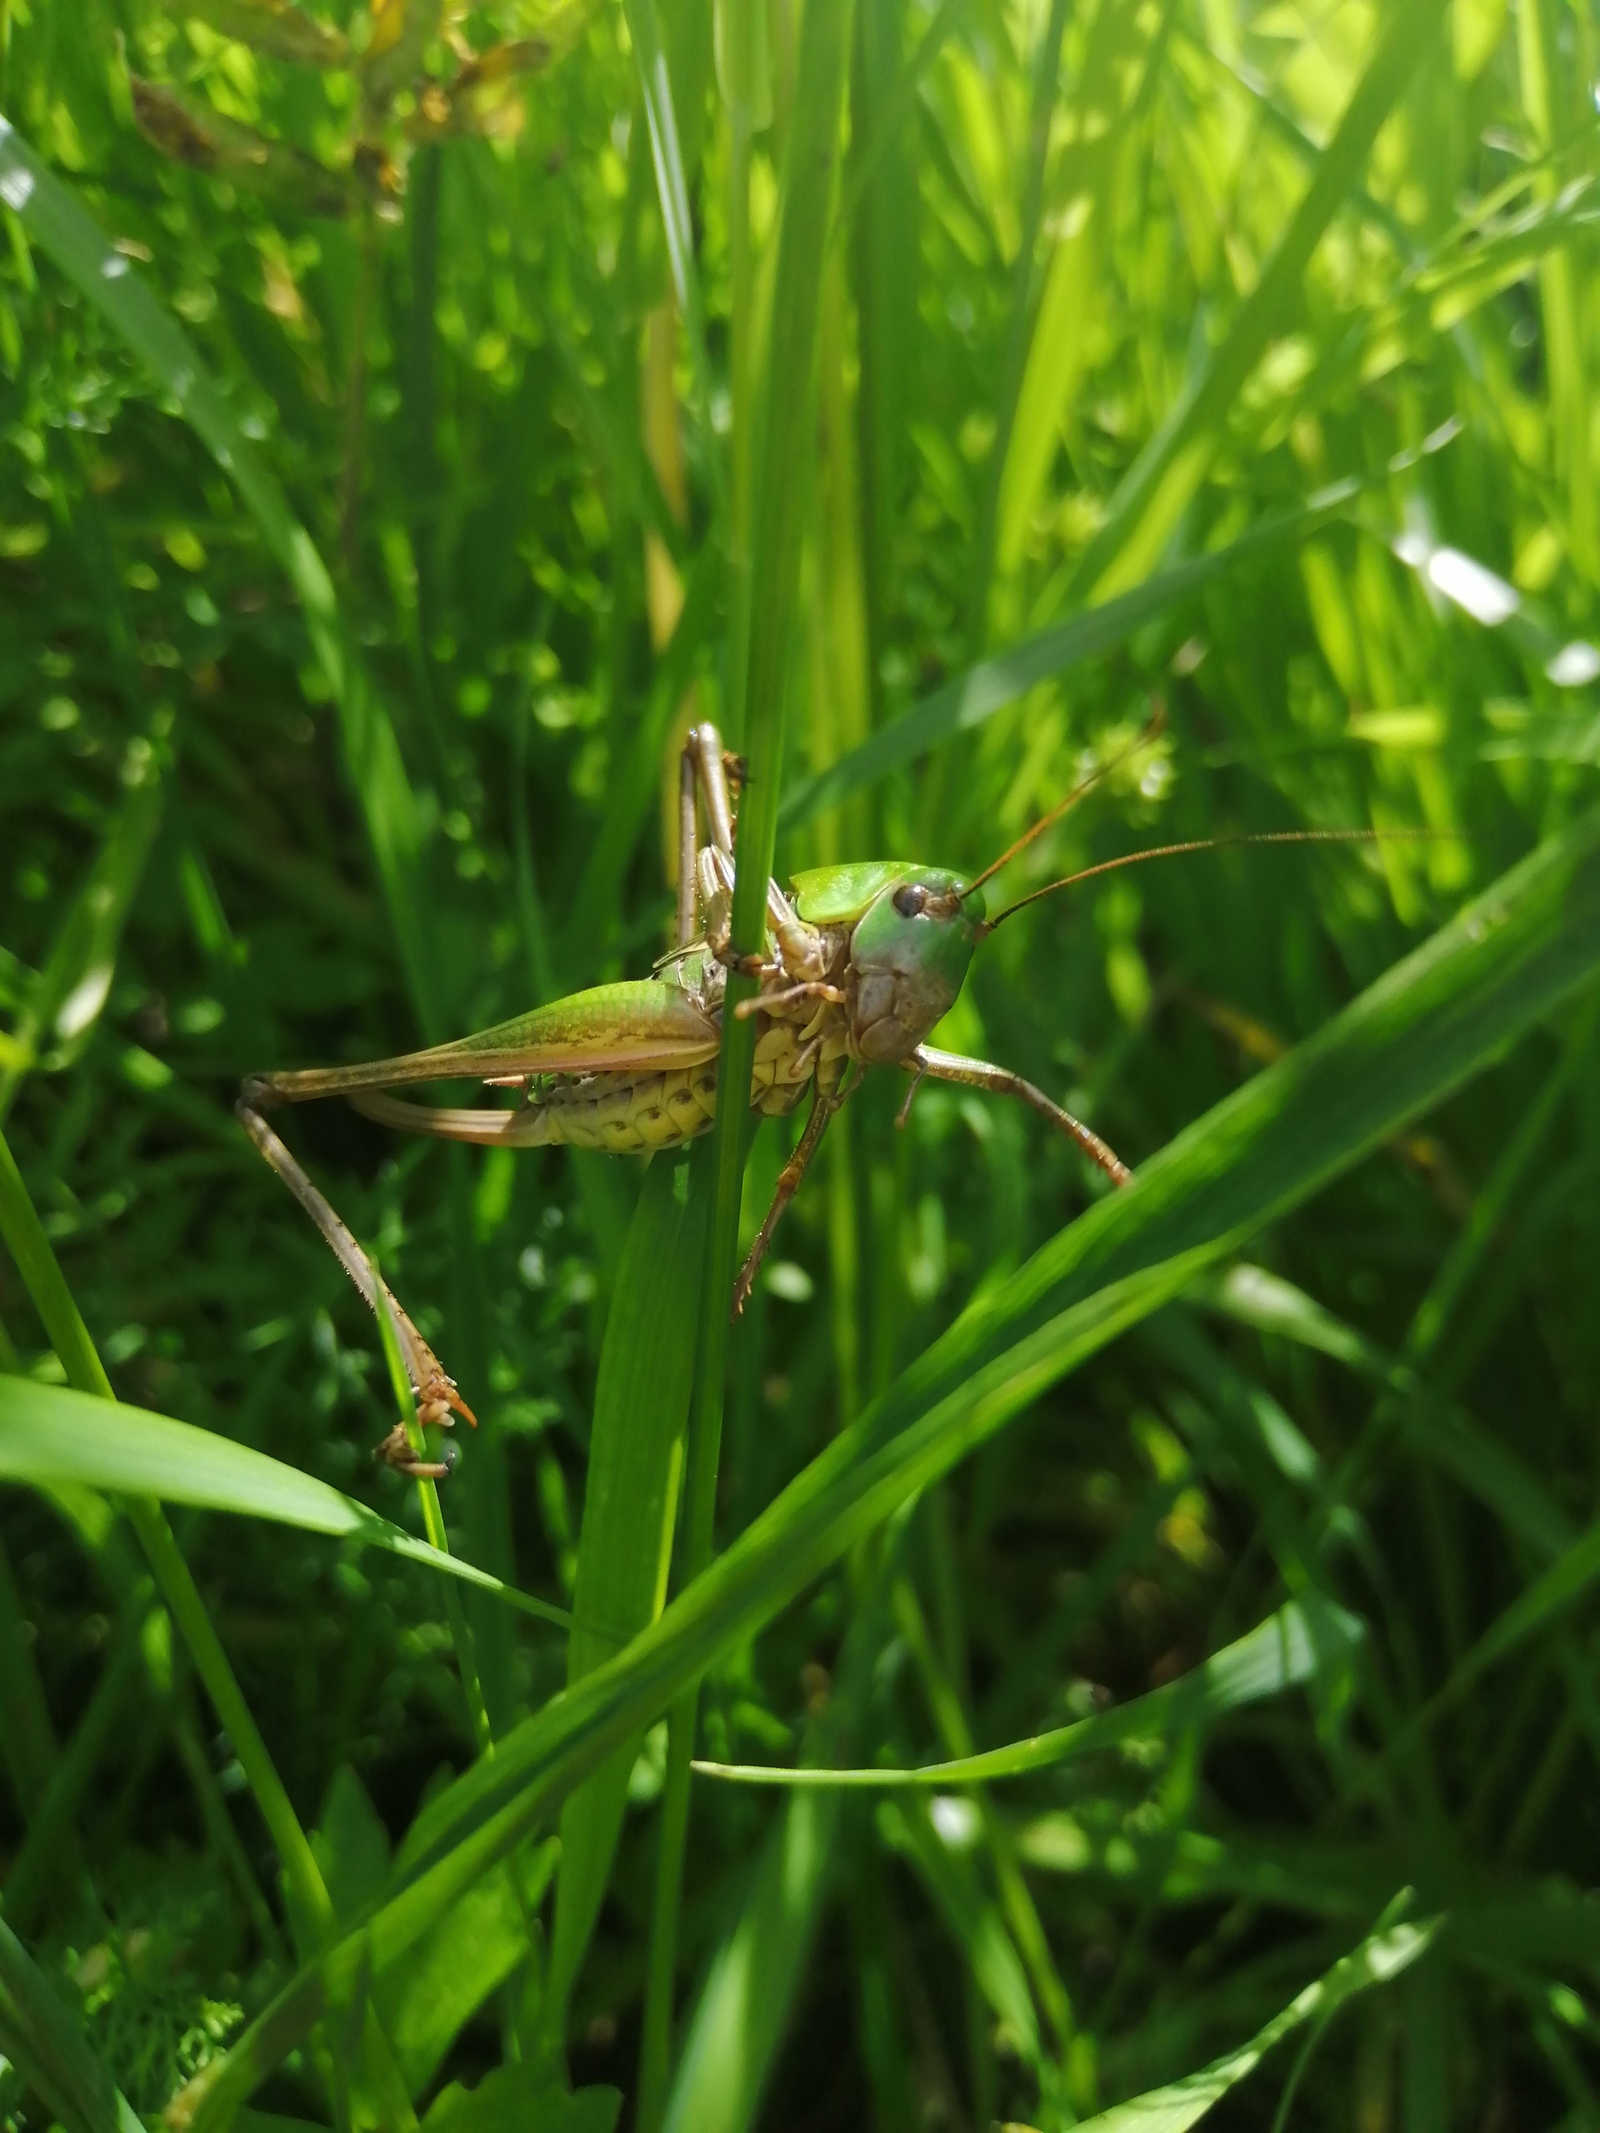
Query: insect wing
column 642, row 1022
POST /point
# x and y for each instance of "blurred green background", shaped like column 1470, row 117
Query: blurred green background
column 1261, row 334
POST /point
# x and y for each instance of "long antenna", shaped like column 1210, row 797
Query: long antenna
column 1157, row 722
column 1214, row 844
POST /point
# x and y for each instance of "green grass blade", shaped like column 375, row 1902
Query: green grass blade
column 1153, row 493
column 1546, row 1602
column 630, row 1507
column 1181, row 2104
column 1060, row 343
column 1447, row 1435
column 51, row 1437
column 476, row 1946
column 55, row 221
column 757, row 713
column 736, row 2030
column 672, row 191
column 1294, row 1645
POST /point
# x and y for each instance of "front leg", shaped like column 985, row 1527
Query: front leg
column 1000, row 1081
column 436, row 1392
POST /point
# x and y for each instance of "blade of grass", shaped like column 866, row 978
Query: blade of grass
column 64, row 1327
column 1059, row 347
column 1046, row 91
column 1181, row 2104
column 1449, row 1436
column 51, row 1437
column 433, row 1518
column 733, row 2036
column 672, row 191
column 70, row 991
column 1290, row 1647
column 49, row 1851
column 782, row 455
column 630, row 1508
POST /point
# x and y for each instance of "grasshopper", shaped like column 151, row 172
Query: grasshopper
column 860, row 962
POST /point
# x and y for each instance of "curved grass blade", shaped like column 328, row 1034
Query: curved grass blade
column 53, row 218
column 51, row 1437
column 1458, row 1003
column 1181, row 2104
column 1294, row 1645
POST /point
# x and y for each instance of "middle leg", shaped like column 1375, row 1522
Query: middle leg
column 824, row 1103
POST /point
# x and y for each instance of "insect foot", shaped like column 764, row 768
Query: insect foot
column 395, row 1451
column 436, row 1399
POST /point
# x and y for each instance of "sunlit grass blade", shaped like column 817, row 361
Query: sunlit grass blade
column 52, row 1437
column 672, row 190
column 1293, row 1646
column 1057, row 353
column 1153, row 493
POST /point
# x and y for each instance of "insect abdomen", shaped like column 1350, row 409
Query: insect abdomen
column 632, row 1115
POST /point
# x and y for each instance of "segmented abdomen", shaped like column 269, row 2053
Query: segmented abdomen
column 631, row 1114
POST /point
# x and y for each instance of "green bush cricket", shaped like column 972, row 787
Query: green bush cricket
column 861, row 962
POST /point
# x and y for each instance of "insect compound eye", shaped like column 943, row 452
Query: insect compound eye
column 910, row 899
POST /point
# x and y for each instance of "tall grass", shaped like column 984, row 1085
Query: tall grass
column 1166, row 1614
